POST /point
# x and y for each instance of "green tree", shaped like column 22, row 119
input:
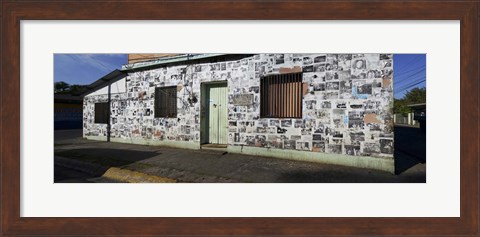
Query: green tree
column 400, row 107
column 65, row 88
column 77, row 89
column 414, row 96
column 60, row 86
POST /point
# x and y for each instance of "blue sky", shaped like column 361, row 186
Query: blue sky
column 409, row 71
column 82, row 69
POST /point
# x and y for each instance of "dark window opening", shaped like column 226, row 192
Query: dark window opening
column 166, row 102
column 281, row 96
column 101, row 113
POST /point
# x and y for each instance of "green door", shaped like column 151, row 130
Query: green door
column 217, row 114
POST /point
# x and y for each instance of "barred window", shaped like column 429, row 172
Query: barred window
column 166, row 102
column 101, row 113
column 281, row 96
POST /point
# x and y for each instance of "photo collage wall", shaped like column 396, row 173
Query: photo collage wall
column 347, row 104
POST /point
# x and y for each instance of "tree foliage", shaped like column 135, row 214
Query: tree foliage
column 60, row 86
column 414, row 96
column 65, row 88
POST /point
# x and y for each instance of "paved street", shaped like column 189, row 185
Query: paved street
column 217, row 166
column 67, row 175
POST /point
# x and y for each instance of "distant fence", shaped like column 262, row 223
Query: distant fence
column 405, row 120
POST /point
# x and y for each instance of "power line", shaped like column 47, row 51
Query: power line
column 406, row 65
column 404, row 76
column 75, row 59
column 411, row 85
column 418, row 68
column 407, row 79
column 101, row 64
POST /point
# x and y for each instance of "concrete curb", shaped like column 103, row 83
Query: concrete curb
column 130, row 176
column 113, row 173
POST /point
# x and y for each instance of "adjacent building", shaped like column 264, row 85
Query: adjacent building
column 333, row 108
column 67, row 112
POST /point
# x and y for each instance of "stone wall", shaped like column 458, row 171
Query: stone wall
column 347, row 104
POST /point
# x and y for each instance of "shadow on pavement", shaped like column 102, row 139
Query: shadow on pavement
column 347, row 177
column 91, row 160
column 336, row 177
column 83, row 164
column 69, row 175
column 106, row 156
column 410, row 148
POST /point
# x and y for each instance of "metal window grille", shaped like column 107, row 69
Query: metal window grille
column 281, row 96
column 166, row 102
column 101, row 112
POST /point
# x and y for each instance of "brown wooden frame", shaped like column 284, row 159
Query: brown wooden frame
column 12, row 12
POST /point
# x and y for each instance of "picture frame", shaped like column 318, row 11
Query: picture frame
column 15, row 11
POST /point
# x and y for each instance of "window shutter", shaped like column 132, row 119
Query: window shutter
column 101, row 112
column 281, row 96
column 166, row 102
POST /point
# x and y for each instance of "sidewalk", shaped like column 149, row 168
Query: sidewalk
column 208, row 166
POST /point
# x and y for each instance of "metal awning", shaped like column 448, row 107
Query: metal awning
column 111, row 77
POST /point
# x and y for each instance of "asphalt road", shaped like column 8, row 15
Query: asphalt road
column 66, row 175
column 215, row 166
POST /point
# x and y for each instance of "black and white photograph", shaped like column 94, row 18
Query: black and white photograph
column 336, row 149
column 318, row 146
column 308, row 68
column 317, row 137
column 299, row 123
column 279, row 58
column 332, row 86
column 359, row 64
column 290, row 144
column 311, row 104
column 363, row 87
column 319, row 67
column 286, row 122
column 274, row 122
column 386, row 146
column 320, row 59
column 319, row 87
column 326, row 105
column 352, row 150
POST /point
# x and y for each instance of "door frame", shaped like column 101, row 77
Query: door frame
column 204, row 108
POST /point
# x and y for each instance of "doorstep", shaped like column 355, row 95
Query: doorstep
column 214, row 147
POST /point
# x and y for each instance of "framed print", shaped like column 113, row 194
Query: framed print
column 187, row 59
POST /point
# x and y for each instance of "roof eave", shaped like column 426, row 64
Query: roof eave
column 166, row 60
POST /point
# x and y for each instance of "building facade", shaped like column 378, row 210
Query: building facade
column 67, row 112
column 334, row 108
